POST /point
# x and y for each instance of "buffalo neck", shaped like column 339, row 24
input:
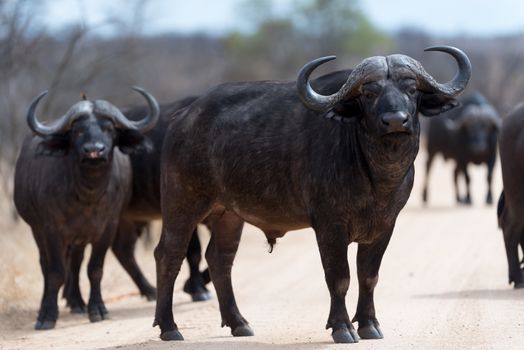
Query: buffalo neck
column 380, row 162
column 388, row 158
column 90, row 183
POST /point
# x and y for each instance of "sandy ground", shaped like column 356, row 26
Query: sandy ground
column 443, row 285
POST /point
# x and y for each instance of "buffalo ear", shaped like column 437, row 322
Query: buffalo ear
column 133, row 142
column 434, row 104
column 54, row 146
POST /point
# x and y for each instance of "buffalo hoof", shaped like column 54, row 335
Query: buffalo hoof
column 150, row 294
column 243, row 331
column 97, row 312
column 371, row 331
column 201, row 296
column 78, row 309
column 197, row 291
column 171, row 335
column 45, row 324
column 519, row 285
column 345, row 336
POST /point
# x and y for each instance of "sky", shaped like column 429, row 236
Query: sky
column 442, row 17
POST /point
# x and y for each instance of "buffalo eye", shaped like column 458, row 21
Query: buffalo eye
column 107, row 128
column 369, row 95
column 412, row 90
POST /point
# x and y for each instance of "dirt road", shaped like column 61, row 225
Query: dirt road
column 443, row 285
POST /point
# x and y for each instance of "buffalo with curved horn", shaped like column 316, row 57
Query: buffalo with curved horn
column 75, row 196
column 142, row 209
column 335, row 155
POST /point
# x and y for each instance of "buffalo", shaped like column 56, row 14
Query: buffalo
column 511, row 202
column 72, row 181
column 336, row 156
column 467, row 135
column 143, row 207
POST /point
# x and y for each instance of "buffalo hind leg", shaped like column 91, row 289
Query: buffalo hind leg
column 512, row 235
column 195, row 284
column 52, row 262
column 369, row 257
column 124, row 248
column 72, row 292
column 333, row 244
column 178, row 224
column 220, row 254
column 429, row 161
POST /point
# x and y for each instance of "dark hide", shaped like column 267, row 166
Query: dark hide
column 71, row 188
column 253, row 152
column 511, row 202
column 465, row 142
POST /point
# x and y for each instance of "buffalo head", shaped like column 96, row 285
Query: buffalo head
column 386, row 93
column 478, row 126
column 91, row 129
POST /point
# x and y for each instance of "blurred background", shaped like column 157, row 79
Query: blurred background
column 178, row 48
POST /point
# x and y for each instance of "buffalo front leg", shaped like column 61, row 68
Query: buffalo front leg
column 456, row 183
column 195, row 285
column 429, row 161
column 52, row 262
column 95, row 307
column 468, row 184
column 369, row 257
column 489, row 195
column 333, row 244
column 124, row 248
column 72, row 287
column 220, row 254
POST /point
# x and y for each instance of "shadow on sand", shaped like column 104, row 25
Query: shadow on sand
column 488, row 294
column 232, row 344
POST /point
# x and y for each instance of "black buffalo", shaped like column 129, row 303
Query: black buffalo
column 511, row 202
column 282, row 157
column 75, row 196
column 143, row 208
column 467, row 135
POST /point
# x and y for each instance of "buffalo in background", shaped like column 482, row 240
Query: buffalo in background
column 72, row 181
column 511, row 203
column 282, row 156
column 143, row 207
column 467, row 134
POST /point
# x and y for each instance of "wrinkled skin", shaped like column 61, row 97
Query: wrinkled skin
column 71, row 188
column 511, row 202
column 143, row 208
column 471, row 142
column 254, row 152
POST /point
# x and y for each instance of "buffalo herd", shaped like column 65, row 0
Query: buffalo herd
column 335, row 153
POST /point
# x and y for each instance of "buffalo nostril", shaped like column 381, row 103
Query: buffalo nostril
column 94, row 148
column 395, row 119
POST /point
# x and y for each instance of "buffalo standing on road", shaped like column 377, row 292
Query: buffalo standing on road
column 143, row 207
column 466, row 135
column 282, row 157
column 511, row 202
column 75, row 196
